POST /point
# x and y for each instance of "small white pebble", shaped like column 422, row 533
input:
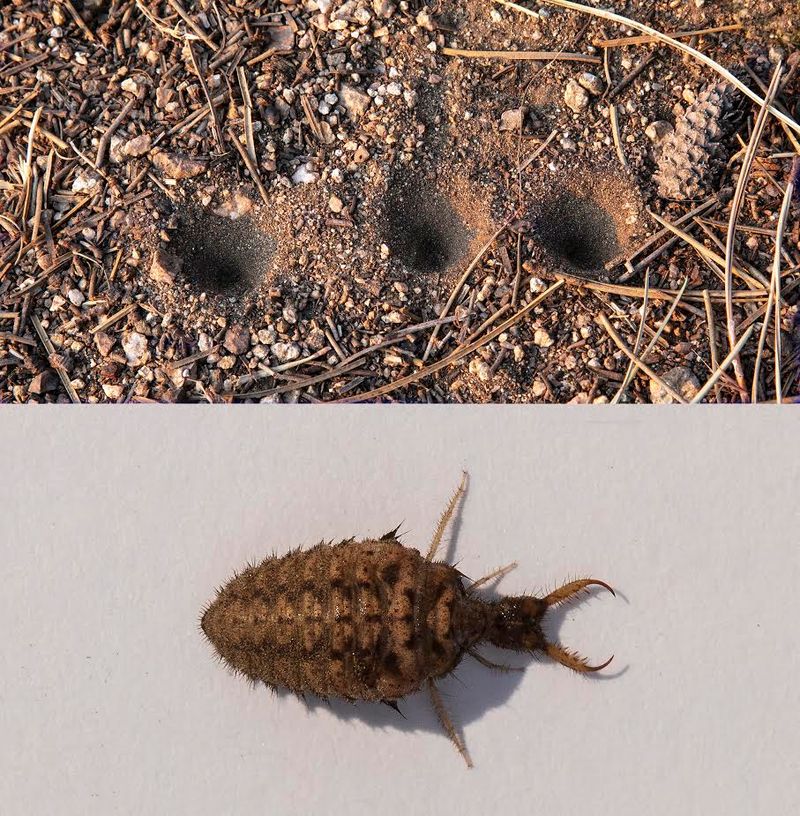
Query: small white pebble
column 130, row 85
column 75, row 297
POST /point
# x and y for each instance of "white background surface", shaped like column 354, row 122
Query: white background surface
column 116, row 526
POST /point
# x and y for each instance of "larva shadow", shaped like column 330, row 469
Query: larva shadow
column 486, row 690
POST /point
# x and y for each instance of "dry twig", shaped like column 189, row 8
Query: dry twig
column 677, row 35
column 701, row 394
column 542, row 56
column 459, row 285
column 712, row 337
column 620, row 344
column 736, row 204
column 52, row 358
column 775, row 291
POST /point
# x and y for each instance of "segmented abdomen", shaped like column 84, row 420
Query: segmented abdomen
column 361, row 619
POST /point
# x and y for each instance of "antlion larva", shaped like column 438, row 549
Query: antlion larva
column 374, row 620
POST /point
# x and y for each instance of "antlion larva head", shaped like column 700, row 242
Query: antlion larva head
column 515, row 622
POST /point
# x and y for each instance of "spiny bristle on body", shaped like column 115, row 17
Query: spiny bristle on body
column 374, row 620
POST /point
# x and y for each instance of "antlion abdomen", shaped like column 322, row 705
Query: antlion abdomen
column 368, row 620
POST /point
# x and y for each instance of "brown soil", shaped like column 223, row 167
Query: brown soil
column 383, row 165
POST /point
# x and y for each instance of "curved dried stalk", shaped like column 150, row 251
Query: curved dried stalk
column 711, row 381
column 652, row 344
column 637, row 361
column 736, row 205
column 775, row 294
column 636, row 346
column 459, row 286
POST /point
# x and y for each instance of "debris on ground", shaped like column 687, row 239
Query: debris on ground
column 326, row 200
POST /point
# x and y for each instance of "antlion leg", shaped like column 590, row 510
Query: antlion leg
column 446, row 722
column 494, row 575
column 490, row 664
column 445, row 518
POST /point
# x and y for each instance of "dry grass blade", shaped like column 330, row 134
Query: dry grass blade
column 614, row 113
column 297, row 385
column 192, row 24
column 488, row 322
column 636, row 346
column 707, row 254
column 24, row 201
column 457, row 288
column 313, row 122
column 539, row 150
column 9, row 226
column 52, row 358
column 25, row 116
column 347, row 364
column 248, row 114
column 620, row 344
column 10, row 337
column 692, row 295
column 250, row 165
column 102, row 145
column 736, row 205
column 37, row 212
column 652, row 344
column 456, row 355
column 677, row 35
column 658, row 35
column 775, row 292
column 543, row 56
column 87, row 32
column 631, row 75
column 712, row 336
column 12, row 114
column 789, row 135
column 654, row 239
column 161, row 25
column 701, row 394
column 665, row 322
column 272, row 371
column 192, row 358
column 211, row 108
column 109, row 321
column 749, row 274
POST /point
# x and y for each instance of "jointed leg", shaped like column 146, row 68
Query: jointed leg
column 492, row 576
column 446, row 722
column 491, row 665
column 445, row 519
